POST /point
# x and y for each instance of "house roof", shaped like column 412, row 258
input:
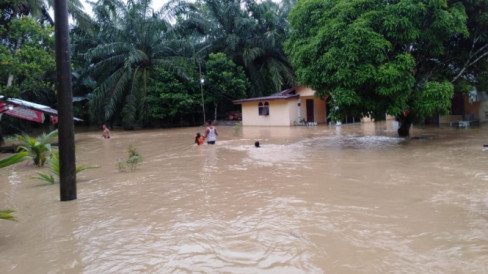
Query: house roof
column 14, row 102
column 282, row 95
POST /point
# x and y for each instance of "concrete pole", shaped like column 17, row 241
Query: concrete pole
column 66, row 131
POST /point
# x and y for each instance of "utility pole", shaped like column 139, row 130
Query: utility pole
column 66, row 130
column 201, row 90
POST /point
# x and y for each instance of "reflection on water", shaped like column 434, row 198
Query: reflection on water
column 351, row 199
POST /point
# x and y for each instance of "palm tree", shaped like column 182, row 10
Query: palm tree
column 39, row 9
column 39, row 148
column 267, row 57
column 250, row 33
column 133, row 39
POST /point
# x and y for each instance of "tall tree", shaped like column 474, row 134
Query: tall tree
column 170, row 98
column 224, row 80
column 249, row 33
column 40, row 9
column 134, row 40
column 373, row 57
column 27, row 60
column 15, row 11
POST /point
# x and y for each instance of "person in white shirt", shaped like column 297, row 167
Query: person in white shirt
column 210, row 133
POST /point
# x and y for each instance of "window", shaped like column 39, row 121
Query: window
column 263, row 108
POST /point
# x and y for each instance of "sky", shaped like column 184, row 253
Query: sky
column 156, row 4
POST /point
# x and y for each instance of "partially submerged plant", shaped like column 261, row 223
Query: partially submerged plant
column 13, row 159
column 39, row 148
column 5, row 214
column 54, row 169
column 132, row 161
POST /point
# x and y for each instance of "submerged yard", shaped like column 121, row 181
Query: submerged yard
column 351, row 199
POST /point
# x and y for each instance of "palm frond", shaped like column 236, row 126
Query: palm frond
column 44, row 177
column 249, row 55
column 108, row 50
column 136, row 56
column 13, row 159
column 5, row 214
column 273, row 68
column 108, row 65
column 47, row 138
column 116, row 95
column 82, row 167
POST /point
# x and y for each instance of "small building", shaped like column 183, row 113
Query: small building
column 471, row 107
column 294, row 106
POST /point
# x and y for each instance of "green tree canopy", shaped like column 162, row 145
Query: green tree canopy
column 39, row 9
column 223, row 80
column 375, row 57
column 133, row 40
column 251, row 34
column 27, row 59
column 169, row 97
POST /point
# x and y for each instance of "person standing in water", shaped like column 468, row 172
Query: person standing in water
column 210, row 133
column 106, row 132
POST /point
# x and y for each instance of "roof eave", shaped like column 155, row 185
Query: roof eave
column 251, row 100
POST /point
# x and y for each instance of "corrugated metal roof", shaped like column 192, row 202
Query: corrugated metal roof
column 35, row 106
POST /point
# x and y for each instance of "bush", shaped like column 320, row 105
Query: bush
column 132, row 161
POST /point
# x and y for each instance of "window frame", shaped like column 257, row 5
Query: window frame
column 263, row 109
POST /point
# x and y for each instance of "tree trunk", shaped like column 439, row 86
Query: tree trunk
column 215, row 114
column 66, row 136
column 405, row 123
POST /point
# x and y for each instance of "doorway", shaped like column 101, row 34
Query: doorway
column 310, row 110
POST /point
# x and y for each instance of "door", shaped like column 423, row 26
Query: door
column 457, row 104
column 310, row 111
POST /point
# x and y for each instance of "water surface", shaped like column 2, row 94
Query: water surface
column 351, row 199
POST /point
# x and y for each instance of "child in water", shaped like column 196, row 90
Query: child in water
column 198, row 139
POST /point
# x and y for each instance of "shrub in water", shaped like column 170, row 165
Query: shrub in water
column 132, row 161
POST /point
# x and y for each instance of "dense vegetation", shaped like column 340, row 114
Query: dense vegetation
column 148, row 66
column 136, row 67
column 403, row 57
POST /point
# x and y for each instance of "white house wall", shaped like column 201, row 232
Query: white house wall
column 319, row 108
column 281, row 113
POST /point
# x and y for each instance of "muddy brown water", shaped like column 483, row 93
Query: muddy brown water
column 350, row 199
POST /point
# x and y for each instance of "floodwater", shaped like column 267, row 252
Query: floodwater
column 350, row 199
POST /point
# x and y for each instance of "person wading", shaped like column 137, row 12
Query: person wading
column 210, row 133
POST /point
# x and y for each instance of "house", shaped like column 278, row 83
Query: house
column 471, row 107
column 293, row 106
